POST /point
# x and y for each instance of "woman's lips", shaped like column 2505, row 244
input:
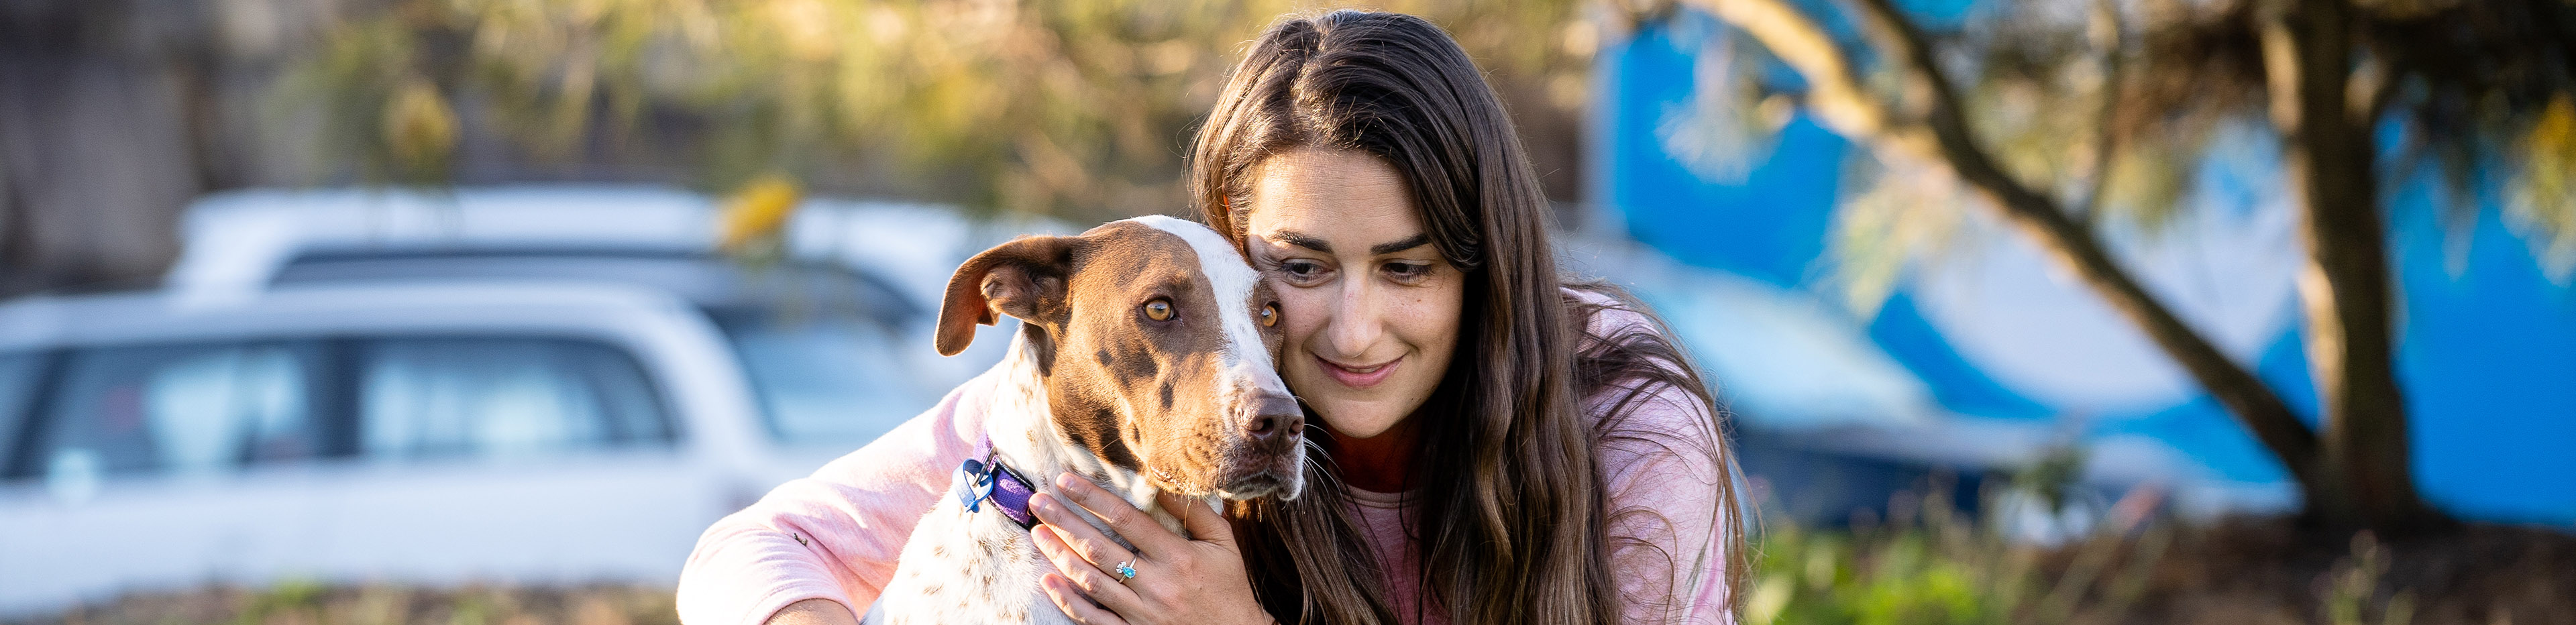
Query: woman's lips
column 1359, row 377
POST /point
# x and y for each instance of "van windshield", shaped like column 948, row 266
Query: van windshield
column 825, row 379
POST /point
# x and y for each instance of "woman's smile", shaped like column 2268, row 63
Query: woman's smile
column 1358, row 376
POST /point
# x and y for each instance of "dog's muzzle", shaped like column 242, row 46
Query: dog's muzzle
column 1269, row 456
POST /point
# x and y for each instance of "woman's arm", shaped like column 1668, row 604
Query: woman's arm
column 826, row 544
column 814, row 612
column 1669, row 517
column 1673, row 518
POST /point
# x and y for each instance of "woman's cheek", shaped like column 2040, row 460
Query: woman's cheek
column 1301, row 313
column 1431, row 316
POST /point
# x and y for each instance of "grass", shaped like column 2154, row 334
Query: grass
column 1930, row 565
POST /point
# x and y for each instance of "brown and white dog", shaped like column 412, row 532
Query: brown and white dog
column 1143, row 362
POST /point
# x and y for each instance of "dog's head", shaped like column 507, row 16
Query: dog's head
column 1155, row 341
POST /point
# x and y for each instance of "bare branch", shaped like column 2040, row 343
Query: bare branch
column 2110, row 39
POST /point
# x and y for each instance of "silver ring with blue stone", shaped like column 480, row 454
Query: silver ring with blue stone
column 1126, row 571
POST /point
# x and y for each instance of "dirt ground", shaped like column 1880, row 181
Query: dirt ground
column 312, row 604
column 2262, row 571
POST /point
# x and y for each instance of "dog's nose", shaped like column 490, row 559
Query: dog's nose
column 1273, row 415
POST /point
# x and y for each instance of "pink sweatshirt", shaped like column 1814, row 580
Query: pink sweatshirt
column 835, row 535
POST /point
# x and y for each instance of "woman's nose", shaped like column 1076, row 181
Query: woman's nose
column 1356, row 325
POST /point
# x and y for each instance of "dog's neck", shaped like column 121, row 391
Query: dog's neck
column 1024, row 436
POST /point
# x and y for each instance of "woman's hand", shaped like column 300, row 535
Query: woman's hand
column 1179, row 581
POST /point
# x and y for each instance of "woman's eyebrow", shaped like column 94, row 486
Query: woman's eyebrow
column 1410, row 242
column 1301, row 239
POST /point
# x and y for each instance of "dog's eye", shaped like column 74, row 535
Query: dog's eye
column 1269, row 315
column 1159, row 309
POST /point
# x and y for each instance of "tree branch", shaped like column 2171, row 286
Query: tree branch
column 1934, row 130
column 2109, row 37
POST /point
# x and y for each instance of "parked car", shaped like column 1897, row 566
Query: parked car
column 520, row 385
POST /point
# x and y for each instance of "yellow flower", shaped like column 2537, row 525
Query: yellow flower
column 758, row 210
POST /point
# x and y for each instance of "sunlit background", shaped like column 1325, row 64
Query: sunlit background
column 476, row 312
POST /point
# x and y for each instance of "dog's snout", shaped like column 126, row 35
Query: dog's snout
column 1274, row 416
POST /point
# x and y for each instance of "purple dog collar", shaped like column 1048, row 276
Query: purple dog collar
column 989, row 482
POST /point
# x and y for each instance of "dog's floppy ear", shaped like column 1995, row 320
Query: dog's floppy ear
column 1023, row 278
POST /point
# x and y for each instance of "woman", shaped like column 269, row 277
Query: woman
column 1494, row 444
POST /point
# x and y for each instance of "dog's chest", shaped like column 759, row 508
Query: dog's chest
column 966, row 568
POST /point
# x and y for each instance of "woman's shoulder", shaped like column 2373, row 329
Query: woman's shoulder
column 1606, row 311
column 1648, row 385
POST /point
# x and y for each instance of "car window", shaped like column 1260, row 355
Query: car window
column 185, row 410
column 17, row 386
column 825, row 380
column 502, row 397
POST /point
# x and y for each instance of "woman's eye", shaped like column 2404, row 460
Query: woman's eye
column 1302, row 272
column 1159, row 309
column 1408, row 271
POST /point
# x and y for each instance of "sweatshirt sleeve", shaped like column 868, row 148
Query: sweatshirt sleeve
column 835, row 534
column 1668, row 472
column 1669, row 528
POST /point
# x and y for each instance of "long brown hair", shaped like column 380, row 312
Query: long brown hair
column 1509, row 504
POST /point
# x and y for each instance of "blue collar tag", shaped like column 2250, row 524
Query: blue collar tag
column 977, row 483
column 973, row 484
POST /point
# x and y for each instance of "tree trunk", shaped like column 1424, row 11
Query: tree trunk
column 2344, row 289
column 95, row 146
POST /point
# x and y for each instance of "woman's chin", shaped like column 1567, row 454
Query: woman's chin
column 1359, row 420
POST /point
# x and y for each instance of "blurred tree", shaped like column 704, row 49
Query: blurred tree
column 2071, row 111
column 115, row 113
column 1078, row 108
column 98, row 138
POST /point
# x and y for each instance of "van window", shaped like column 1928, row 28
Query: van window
column 824, row 380
column 17, row 388
column 185, row 410
column 502, row 397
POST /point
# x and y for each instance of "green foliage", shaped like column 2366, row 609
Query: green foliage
column 1079, row 107
column 292, row 599
column 1932, row 565
column 1898, row 217
column 2353, row 588
column 1899, row 579
column 2543, row 197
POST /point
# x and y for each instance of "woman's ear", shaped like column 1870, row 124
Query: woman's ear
column 1023, row 278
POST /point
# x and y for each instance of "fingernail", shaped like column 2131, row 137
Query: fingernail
column 1064, row 480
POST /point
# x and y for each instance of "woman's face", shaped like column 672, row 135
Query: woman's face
column 1370, row 309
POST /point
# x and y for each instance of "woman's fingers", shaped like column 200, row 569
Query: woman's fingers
column 1202, row 520
column 1072, row 602
column 1130, row 523
column 1078, row 534
column 1074, row 555
column 1084, row 576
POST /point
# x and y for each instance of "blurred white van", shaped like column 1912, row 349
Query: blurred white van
column 551, row 384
